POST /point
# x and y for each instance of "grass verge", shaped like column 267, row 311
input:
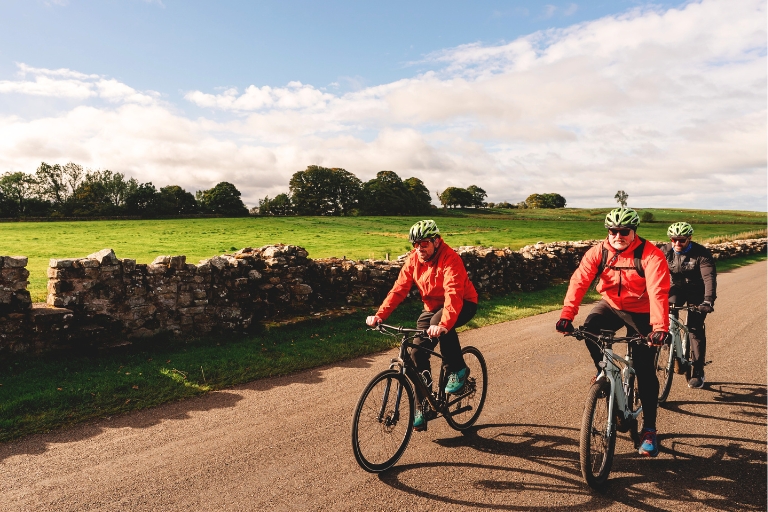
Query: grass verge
column 41, row 393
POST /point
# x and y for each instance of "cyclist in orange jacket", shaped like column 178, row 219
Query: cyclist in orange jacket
column 633, row 279
column 450, row 301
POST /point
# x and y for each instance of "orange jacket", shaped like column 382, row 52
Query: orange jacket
column 442, row 281
column 623, row 288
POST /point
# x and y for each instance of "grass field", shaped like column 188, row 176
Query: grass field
column 353, row 237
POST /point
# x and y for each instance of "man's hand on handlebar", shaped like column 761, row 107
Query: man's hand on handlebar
column 435, row 331
column 564, row 325
column 706, row 307
column 373, row 321
column 658, row 338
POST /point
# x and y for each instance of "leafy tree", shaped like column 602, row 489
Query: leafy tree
column 421, row 201
column 621, row 198
column 174, row 200
column 323, row 191
column 18, row 189
column 455, row 196
column 280, row 205
column 223, row 199
column 143, row 200
column 545, row 201
column 478, row 195
column 386, row 195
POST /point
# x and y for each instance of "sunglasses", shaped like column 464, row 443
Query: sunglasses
column 619, row 231
column 423, row 243
column 679, row 239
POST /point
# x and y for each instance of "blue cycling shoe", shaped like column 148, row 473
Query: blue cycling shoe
column 650, row 445
column 456, row 380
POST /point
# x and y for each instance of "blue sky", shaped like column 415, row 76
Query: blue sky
column 579, row 98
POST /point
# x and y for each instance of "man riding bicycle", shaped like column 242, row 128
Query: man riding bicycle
column 632, row 277
column 694, row 281
column 450, row 301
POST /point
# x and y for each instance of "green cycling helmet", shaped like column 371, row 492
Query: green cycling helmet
column 680, row 229
column 422, row 230
column 622, row 218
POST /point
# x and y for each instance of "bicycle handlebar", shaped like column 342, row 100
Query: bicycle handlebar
column 382, row 327
column 581, row 334
column 689, row 307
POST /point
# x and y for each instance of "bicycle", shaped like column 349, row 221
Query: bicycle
column 612, row 404
column 674, row 357
column 382, row 424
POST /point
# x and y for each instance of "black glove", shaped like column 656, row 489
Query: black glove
column 564, row 325
column 706, row 307
column 658, row 338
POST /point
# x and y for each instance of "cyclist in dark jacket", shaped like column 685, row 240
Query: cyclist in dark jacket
column 694, row 281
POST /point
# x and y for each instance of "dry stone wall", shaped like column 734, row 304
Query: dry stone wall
column 102, row 299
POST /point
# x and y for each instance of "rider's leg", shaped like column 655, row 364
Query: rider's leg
column 450, row 348
column 697, row 337
column 643, row 361
column 420, row 358
column 602, row 317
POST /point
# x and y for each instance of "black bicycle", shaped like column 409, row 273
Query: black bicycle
column 383, row 420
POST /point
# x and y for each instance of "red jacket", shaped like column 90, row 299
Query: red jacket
column 623, row 288
column 442, row 281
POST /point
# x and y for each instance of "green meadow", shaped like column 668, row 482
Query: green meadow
column 353, row 237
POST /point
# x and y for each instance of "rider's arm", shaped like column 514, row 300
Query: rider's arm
column 708, row 275
column 454, row 279
column 400, row 290
column 581, row 280
column 657, row 282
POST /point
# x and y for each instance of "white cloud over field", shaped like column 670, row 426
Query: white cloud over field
column 669, row 106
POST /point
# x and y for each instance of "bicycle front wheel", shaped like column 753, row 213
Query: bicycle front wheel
column 665, row 370
column 383, row 421
column 597, row 441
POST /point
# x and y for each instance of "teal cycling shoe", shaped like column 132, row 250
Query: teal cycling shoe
column 456, row 380
column 419, row 421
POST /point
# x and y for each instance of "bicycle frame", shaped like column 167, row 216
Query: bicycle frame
column 680, row 338
column 617, row 371
column 403, row 364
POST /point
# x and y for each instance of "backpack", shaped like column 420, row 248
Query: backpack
column 638, row 253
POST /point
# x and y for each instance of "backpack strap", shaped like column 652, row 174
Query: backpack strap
column 639, row 257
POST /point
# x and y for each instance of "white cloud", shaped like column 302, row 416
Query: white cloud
column 669, row 105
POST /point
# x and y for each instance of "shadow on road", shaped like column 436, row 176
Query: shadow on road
column 745, row 400
column 714, row 472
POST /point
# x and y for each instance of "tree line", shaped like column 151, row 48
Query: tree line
column 71, row 191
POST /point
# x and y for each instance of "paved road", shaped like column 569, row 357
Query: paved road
column 283, row 444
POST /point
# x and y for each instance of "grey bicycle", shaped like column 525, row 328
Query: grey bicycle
column 674, row 357
column 612, row 405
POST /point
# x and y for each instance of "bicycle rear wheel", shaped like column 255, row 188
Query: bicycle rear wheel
column 383, row 421
column 633, row 399
column 597, row 442
column 464, row 408
column 665, row 370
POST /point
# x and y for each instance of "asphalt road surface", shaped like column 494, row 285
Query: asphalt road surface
column 284, row 444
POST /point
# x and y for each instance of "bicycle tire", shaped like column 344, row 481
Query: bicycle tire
column 467, row 405
column 633, row 399
column 665, row 369
column 380, row 433
column 596, row 444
